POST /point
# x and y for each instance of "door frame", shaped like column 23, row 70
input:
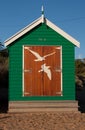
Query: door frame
column 23, row 68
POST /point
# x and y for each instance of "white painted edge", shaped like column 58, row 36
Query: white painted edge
column 23, row 31
column 34, row 24
column 60, row 48
column 61, row 72
column 62, row 33
column 23, row 70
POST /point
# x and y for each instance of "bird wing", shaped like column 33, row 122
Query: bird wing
column 49, row 54
column 34, row 53
column 47, row 71
column 27, row 48
column 49, row 74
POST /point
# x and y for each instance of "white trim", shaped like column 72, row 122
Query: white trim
column 60, row 48
column 61, row 72
column 23, row 70
column 61, row 32
column 36, row 23
column 23, row 31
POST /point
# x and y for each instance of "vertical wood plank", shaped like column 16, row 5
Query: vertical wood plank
column 42, row 77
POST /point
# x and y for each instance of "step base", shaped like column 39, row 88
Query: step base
column 42, row 106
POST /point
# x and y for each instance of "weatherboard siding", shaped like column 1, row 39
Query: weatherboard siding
column 41, row 35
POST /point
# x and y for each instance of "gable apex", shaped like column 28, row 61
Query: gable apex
column 36, row 23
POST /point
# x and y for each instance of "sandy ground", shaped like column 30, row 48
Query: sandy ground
column 43, row 121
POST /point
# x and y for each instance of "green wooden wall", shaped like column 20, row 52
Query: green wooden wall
column 41, row 35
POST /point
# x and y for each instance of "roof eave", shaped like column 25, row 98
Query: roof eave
column 36, row 23
column 23, row 31
column 61, row 32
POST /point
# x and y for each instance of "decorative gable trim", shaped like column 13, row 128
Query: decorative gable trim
column 36, row 23
column 23, row 31
column 61, row 32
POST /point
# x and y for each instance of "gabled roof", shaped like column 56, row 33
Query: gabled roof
column 36, row 23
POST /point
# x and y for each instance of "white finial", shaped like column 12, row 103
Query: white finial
column 42, row 14
column 42, row 10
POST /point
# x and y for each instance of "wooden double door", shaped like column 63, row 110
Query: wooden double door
column 42, row 72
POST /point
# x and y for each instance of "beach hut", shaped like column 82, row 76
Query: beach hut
column 41, row 68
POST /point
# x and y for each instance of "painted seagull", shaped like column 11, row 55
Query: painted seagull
column 39, row 58
column 46, row 70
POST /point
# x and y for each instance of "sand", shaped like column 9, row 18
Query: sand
column 43, row 121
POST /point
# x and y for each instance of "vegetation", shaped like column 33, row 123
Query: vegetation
column 4, row 68
column 80, row 73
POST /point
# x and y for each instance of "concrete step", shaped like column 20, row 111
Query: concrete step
column 27, row 106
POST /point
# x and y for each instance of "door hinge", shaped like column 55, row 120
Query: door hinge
column 28, row 70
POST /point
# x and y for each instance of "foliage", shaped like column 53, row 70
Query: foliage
column 4, row 68
column 80, row 72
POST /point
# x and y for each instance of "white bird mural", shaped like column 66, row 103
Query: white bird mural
column 39, row 58
column 46, row 70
